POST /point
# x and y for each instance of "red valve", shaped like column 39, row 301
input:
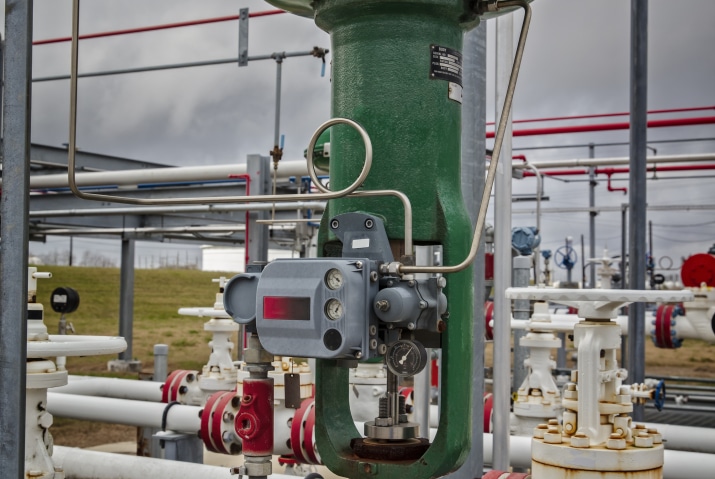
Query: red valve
column 254, row 422
column 698, row 269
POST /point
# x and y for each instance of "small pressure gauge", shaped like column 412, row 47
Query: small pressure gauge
column 334, row 279
column 406, row 357
column 334, row 309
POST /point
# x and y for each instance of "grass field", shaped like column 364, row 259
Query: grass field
column 158, row 294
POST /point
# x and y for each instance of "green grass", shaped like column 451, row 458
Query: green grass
column 158, row 294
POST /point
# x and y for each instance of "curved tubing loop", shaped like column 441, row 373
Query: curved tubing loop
column 498, row 140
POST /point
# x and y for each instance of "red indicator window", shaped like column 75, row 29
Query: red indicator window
column 286, row 308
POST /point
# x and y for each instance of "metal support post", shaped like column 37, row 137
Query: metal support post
column 161, row 362
column 592, row 183
column 14, row 209
column 126, row 297
column 637, row 192
column 522, row 267
column 502, row 257
column 259, row 170
column 473, row 165
column 243, row 37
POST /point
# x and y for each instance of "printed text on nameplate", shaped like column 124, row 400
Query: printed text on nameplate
column 446, row 64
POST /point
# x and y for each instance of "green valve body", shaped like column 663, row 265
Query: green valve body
column 384, row 77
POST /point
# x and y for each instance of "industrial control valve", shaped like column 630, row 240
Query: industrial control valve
column 346, row 309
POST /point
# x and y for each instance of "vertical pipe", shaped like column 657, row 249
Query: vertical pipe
column 126, row 297
column 592, row 183
column 14, row 209
column 624, row 251
column 637, row 191
column 277, row 128
column 161, row 362
column 474, row 76
column 502, row 255
column 257, row 238
column 522, row 267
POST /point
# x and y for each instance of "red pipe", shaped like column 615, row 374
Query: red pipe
column 625, row 169
column 152, row 28
column 702, row 120
column 519, row 157
column 605, row 115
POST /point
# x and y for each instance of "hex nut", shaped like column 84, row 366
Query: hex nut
column 657, row 437
column 540, row 430
column 643, row 439
column 552, row 438
column 580, row 440
column 616, row 442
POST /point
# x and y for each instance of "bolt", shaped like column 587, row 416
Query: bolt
column 373, row 330
column 190, row 378
column 183, row 390
column 358, row 354
column 615, row 441
column 411, row 283
column 441, row 326
column 441, row 282
column 423, row 304
column 334, row 224
column 580, row 440
column 369, row 223
column 358, row 264
column 373, row 344
column 410, row 326
column 643, row 439
column 373, row 276
column 382, row 305
column 382, row 349
column 390, row 283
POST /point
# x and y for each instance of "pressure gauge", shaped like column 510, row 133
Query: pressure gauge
column 334, row 279
column 334, row 309
column 406, row 357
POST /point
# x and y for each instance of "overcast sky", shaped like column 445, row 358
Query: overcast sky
column 576, row 62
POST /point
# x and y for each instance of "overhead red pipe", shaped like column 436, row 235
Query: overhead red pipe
column 702, row 120
column 152, row 28
column 625, row 169
column 605, row 115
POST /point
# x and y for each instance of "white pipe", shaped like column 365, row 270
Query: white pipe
column 75, row 345
column 179, row 418
column 686, row 438
column 112, row 388
column 205, row 312
column 161, row 175
column 619, row 160
column 84, row 464
column 150, row 210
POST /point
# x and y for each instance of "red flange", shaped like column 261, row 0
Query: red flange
column 302, row 438
column 171, row 390
column 217, row 423
column 488, row 409
column 664, row 335
column 698, row 269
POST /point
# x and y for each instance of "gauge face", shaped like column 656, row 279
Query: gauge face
column 334, row 278
column 406, row 357
column 334, row 309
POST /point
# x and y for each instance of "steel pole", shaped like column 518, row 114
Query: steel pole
column 14, row 208
column 474, row 109
column 126, row 297
column 637, row 191
column 592, row 183
column 502, row 256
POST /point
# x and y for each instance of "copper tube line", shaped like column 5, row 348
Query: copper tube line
column 498, row 140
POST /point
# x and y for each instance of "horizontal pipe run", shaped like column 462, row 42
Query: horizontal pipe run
column 179, row 418
column 619, row 160
column 701, row 120
column 83, row 464
column 152, row 28
column 112, row 388
column 154, row 210
column 141, row 230
column 172, row 66
column 616, row 171
column 614, row 209
column 161, row 175
column 607, row 115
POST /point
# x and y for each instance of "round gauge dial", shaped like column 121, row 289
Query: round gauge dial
column 406, row 357
column 334, row 278
column 334, row 309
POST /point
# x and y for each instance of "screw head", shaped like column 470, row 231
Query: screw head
column 334, row 224
column 369, row 223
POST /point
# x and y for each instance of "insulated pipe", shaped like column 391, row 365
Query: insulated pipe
column 83, row 464
column 161, row 175
column 112, row 388
column 179, row 418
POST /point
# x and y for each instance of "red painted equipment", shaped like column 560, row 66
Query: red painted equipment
column 217, row 423
column 488, row 316
column 254, row 422
column 505, row 475
column 698, row 269
column 302, row 437
column 664, row 333
column 176, row 385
